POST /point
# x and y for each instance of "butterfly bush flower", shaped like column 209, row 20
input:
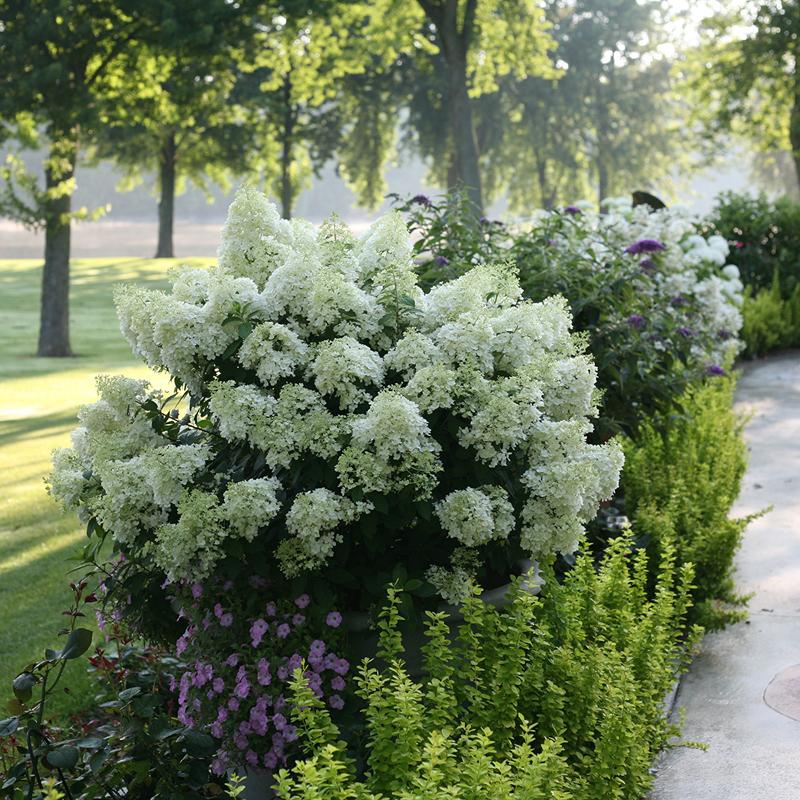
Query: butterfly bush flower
column 323, row 382
column 637, row 321
column 645, row 246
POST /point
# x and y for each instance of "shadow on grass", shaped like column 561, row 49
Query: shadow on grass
column 65, row 553
column 38, row 427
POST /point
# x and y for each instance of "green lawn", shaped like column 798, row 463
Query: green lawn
column 39, row 398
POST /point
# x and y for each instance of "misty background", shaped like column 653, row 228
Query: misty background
column 129, row 228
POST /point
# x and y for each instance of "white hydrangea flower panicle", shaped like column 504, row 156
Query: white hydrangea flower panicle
column 314, row 522
column 250, row 505
column 273, row 351
column 344, row 368
column 476, row 516
column 254, row 239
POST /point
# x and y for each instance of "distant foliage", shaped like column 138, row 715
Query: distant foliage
column 771, row 322
column 765, row 237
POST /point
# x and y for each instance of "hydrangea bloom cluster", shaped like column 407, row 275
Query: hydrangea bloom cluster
column 683, row 273
column 238, row 665
column 340, row 416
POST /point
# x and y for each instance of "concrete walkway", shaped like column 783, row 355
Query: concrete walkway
column 754, row 750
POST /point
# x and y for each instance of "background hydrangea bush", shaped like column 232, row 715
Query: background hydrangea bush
column 332, row 423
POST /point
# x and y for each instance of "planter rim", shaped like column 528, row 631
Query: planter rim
column 360, row 621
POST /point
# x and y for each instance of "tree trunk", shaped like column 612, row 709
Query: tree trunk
column 166, row 202
column 602, row 180
column 545, row 195
column 287, row 191
column 54, row 318
column 466, row 150
column 603, row 143
column 466, row 165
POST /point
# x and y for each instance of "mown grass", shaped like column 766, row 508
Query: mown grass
column 39, row 398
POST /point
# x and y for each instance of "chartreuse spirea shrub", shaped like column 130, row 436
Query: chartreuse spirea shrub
column 771, row 321
column 658, row 302
column 332, row 421
column 680, row 482
column 558, row 697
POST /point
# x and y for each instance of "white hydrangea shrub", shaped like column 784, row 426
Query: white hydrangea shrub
column 339, row 416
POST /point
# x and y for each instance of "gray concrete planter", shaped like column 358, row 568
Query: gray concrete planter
column 363, row 640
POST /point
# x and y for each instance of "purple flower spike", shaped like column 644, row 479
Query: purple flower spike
column 687, row 332
column 441, row 261
column 645, row 246
column 678, row 301
column 637, row 321
column 422, row 200
column 647, row 265
column 715, row 369
column 574, row 210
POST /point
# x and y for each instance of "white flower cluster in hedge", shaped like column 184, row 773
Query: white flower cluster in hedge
column 690, row 272
column 309, row 345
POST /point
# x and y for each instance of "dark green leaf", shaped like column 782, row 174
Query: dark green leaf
column 97, row 760
column 78, row 642
column 23, row 686
column 89, row 743
column 200, row 745
column 65, row 757
column 8, row 726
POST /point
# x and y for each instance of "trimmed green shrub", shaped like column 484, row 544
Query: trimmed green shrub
column 680, row 480
column 559, row 697
column 770, row 321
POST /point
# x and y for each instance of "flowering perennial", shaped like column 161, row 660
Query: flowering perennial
column 684, row 273
column 338, row 415
column 238, row 664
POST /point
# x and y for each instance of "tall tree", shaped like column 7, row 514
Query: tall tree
column 610, row 121
column 745, row 77
column 308, row 73
column 477, row 43
column 57, row 56
column 179, row 121
column 291, row 82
